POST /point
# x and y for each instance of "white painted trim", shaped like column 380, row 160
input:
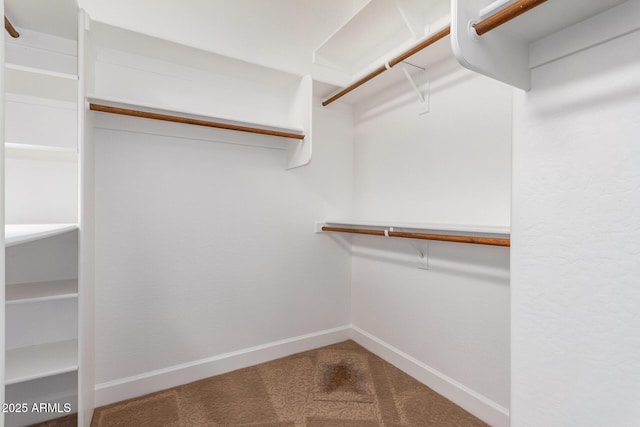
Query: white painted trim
column 149, row 382
column 477, row 404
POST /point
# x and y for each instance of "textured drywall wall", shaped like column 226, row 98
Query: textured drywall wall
column 575, row 251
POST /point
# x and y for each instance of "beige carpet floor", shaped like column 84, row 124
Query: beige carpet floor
column 342, row 385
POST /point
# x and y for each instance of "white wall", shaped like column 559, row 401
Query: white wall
column 205, row 247
column 451, row 165
column 448, row 325
column 575, row 252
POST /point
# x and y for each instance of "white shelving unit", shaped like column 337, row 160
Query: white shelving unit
column 41, row 315
column 41, row 185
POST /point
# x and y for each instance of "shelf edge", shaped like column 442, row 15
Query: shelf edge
column 69, row 365
column 41, row 231
column 40, row 71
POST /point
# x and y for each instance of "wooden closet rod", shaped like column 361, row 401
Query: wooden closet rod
column 505, row 15
column 381, row 69
column 189, row 121
column 493, row 241
column 10, row 29
column 502, row 16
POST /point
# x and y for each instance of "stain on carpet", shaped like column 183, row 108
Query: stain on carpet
column 343, row 375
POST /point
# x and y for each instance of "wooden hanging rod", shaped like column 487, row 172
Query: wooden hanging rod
column 502, row 16
column 493, row 241
column 189, row 121
column 505, row 15
column 395, row 61
column 10, row 29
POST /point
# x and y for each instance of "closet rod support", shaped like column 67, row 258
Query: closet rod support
column 424, row 104
column 10, row 28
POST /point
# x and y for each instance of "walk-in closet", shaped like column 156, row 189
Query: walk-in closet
column 442, row 189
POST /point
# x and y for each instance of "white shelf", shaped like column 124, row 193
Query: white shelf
column 553, row 16
column 386, row 29
column 435, row 228
column 41, row 291
column 40, row 361
column 504, row 53
column 41, row 83
column 40, row 152
column 379, row 29
column 23, row 233
column 198, row 115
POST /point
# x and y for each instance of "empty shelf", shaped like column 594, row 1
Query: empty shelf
column 41, row 83
column 40, row 152
column 23, row 233
column 41, row 291
column 40, row 361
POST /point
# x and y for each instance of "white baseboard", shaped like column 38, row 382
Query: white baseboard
column 149, row 382
column 477, row 404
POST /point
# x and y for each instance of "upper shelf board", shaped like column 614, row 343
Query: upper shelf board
column 504, row 52
column 348, row 50
column 376, row 30
column 15, row 234
column 553, row 16
column 104, row 35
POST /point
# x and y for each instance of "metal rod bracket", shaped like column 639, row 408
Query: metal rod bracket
column 423, row 101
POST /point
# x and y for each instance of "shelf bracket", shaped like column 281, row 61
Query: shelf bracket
column 423, row 262
column 423, row 101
